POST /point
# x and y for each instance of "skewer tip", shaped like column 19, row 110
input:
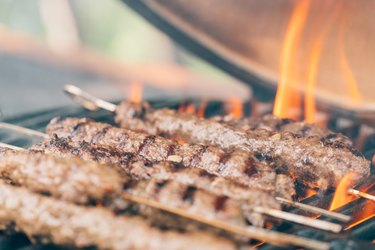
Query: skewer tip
column 86, row 100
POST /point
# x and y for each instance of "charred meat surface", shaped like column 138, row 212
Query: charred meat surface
column 72, row 180
column 201, row 202
column 67, row 224
column 236, row 165
column 275, row 124
column 134, row 166
column 318, row 161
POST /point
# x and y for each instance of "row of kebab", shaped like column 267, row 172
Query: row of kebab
column 168, row 180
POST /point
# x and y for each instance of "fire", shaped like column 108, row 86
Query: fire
column 287, row 101
column 190, row 109
column 182, row 107
column 135, row 92
column 286, row 96
column 235, row 107
column 310, row 107
column 367, row 212
column 187, row 108
column 342, row 196
column 310, row 192
column 202, row 109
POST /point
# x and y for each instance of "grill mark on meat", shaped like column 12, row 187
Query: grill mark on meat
column 250, row 168
column 198, row 156
column 76, row 129
column 189, row 193
column 177, row 166
column 160, row 185
column 148, row 164
column 100, row 134
column 204, row 173
column 123, row 139
column 146, row 142
column 61, row 142
column 225, row 156
column 129, row 184
column 171, row 149
column 96, row 225
column 220, row 203
column 192, row 155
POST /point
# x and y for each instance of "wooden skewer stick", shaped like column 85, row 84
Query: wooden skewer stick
column 317, row 210
column 303, row 220
column 92, row 103
column 22, row 130
column 88, row 101
column 4, row 145
column 361, row 194
column 276, row 238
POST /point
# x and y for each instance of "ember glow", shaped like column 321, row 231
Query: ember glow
column 287, row 97
column 310, row 107
column 135, row 92
column 202, row 108
column 310, row 192
column 190, row 109
column 235, row 107
column 187, row 108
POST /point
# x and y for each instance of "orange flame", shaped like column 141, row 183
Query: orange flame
column 235, row 107
column 182, row 107
column 310, row 192
column 190, row 109
column 342, row 196
column 367, row 212
column 310, row 107
column 285, row 98
column 202, row 109
column 136, row 90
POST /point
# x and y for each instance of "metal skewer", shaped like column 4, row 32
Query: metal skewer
column 361, row 194
column 317, row 210
column 88, row 101
column 22, row 130
column 4, row 145
column 93, row 103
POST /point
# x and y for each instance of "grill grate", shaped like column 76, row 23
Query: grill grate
column 356, row 237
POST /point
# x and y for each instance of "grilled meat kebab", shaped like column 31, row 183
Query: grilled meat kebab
column 63, row 223
column 315, row 160
column 236, row 165
column 50, row 175
column 275, row 124
column 134, row 166
column 72, row 180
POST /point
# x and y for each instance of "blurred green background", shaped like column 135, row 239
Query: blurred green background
column 107, row 26
column 104, row 27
